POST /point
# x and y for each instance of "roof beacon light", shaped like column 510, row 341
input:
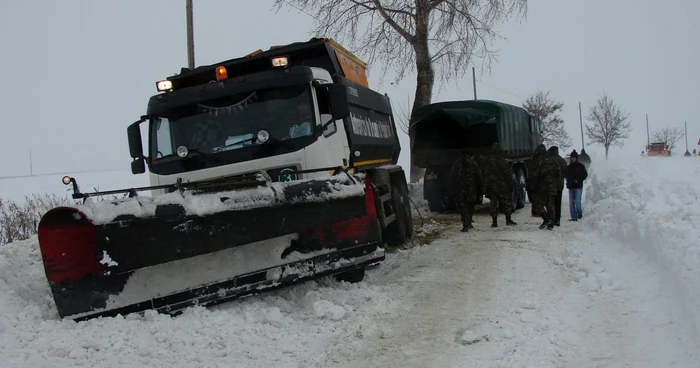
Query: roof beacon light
column 280, row 61
column 164, row 85
column 221, row 73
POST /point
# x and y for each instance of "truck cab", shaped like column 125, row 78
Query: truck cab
column 658, row 149
column 287, row 110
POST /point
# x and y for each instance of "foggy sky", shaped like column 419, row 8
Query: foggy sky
column 76, row 73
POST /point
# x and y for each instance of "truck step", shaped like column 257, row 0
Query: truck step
column 386, row 197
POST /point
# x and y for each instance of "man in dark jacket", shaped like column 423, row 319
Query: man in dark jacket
column 544, row 180
column 554, row 151
column 498, row 185
column 466, row 175
column 584, row 158
column 575, row 175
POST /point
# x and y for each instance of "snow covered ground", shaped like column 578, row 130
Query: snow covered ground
column 620, row 288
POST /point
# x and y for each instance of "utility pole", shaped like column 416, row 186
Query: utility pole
column 686, row 138
column 31, row 169
column 474, row 81
column 580, row 121
column 190, row 36
column 647, row 116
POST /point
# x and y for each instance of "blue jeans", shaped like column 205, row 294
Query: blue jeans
column 575, row 208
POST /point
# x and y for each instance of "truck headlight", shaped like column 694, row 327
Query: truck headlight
column 164, row 85
column 263, row 136
column 280, row 61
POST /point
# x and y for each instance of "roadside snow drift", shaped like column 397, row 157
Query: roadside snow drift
column 277, row 329
column 653, row 205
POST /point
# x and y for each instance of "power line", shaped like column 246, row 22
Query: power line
column 500, row 89
column 60, row 173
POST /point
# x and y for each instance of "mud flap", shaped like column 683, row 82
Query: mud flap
column 171, row 261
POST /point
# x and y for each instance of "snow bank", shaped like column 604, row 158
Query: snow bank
column 283, row 328
column 418, row 203
column 101, row 212
column 652, row 204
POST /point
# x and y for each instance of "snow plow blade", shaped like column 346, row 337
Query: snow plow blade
column 185, row 248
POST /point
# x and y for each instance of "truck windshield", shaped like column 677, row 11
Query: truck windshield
column 227, row 128
column 657, row 147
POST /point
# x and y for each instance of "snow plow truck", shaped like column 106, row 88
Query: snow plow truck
column 265, row 170
column 443, row 130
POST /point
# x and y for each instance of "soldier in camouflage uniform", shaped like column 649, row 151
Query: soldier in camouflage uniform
column 554, row 151
column 544, row 179
column 498, row 185
column 466, row 176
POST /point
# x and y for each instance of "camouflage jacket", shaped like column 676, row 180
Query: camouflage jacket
column 497, row 175
column 466, row 179
column 545, row 174
column 562, row 168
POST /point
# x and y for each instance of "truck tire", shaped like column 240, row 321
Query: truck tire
column 520, row 189
column 409, row 215
column 352, row 276
column 395, row 233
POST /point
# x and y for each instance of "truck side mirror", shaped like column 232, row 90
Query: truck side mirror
column 133, row 133
column 338, row 99
column 138, row 166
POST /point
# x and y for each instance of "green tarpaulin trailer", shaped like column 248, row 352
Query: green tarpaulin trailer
column 443, row 130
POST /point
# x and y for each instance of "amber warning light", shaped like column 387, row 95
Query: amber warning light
column 221, row 73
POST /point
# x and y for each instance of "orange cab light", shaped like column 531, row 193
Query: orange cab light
column 221, row 73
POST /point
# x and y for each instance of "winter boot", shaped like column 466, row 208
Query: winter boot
column 495, row 221
column 510, row 221
column 545, row 222
column 469, row 223
column 550, row 226
column 466, row 224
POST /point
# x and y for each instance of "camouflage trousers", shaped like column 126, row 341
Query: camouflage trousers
column 466, row 211
column 501, row 203
column 543, row 205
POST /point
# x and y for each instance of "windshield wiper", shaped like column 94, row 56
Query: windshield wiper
column 197, row 153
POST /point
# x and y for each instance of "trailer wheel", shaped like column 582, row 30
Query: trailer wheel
column 352, row 276
column 395, row 233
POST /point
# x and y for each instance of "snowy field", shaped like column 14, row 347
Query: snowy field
column 620, row 288
column 15, row 189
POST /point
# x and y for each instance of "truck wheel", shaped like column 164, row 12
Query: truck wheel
column 409, row 215
column 395, row 233
column 520, row 189
column 352, row 276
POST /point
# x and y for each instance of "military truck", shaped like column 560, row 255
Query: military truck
column 443, row 130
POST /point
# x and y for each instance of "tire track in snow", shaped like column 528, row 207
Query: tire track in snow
column 470, row 300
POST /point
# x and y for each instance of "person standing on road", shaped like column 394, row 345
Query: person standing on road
column 544, row 179
column 554, row 151
column 466, row 175
column 575, row 175
column 498, row 185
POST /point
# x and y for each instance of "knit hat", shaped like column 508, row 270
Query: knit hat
column 554, row 149
column 574, row 154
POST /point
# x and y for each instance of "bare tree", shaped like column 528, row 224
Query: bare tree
column 669, row 135
column 610, row 124
column 547, row 110
column 435, row 38
column 402, row 114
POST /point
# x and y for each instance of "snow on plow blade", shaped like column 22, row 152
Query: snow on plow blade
column 182, row 249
